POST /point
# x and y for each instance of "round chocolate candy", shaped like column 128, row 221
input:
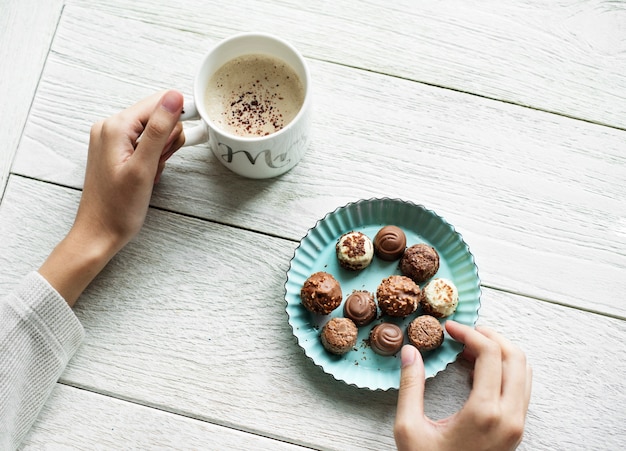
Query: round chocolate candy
column 360, row 308
column 390, row 243
column 339, row 335
column 420, row 262
column 321, row 293
column 355, row 251
column 425, row 333
column 386, row 339
column 398, row 296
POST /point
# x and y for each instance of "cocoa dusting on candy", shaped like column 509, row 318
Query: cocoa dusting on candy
column 354, row 251
column 420, row 262
column 354, row 245
column 440, row 298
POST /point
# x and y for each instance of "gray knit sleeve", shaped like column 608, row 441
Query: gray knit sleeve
column 39, row 333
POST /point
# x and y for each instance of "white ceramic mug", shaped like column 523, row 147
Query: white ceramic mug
column 253, row 157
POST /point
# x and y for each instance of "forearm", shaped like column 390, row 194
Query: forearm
column 76, row 261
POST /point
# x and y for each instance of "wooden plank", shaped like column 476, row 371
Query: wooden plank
column 77, row 419
column 567, row 57
column 26, row 31
column 177, row 323
column 540, row 198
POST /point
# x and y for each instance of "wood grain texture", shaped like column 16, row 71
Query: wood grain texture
column 540, row 198
column 26, row 31
column 115, row 424
column 567, row 56
column 189, row 319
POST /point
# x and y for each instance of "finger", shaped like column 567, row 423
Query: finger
column 161, row 123
column 175, row 142
column 514, row 368
column 488, row 364
column 468, row 355
column 529, row 386
column 160, row 168
column 142, row 110
column 410, row 409
column 176, row 136
column 170, row 149
column 412, row 381
column 134, row 118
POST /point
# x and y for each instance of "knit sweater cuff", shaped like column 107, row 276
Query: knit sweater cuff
column 52, row 313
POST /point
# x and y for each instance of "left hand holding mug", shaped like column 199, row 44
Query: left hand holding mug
column 120, row 175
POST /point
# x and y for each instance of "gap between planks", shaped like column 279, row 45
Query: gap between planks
column 183, row 414
column 246, row 229
column 482, row 96
column 3, row 186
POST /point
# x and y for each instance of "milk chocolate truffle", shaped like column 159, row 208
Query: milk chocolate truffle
column 339, row 335
column 355, row 250
column 321, row 293
column 425, row 333
column 398, row 296
column 390, row 243
column 440, row 298
column 420, row 262
column 360, row 308
column 386, row 339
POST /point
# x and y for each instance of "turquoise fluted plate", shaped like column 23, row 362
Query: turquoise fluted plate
column 361, row 366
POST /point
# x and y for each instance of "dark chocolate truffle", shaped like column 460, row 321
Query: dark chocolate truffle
column 420, row 262
column 386, row 339
column 425, row 333
column 321, row 293
column 339, row 335
column 390, row 243
column 355, row 251
column 360, row 308
column 398, row 296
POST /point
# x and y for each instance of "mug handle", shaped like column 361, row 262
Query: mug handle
column 193, row 135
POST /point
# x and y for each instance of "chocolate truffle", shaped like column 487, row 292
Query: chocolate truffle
column 440, row 298
column 420, row 262
column 425, row 333
column 360, row 308
column 386, row 339
column 398, row 296
column 390, row 243
column 321, row 293
column 355, row 250
column 339, row 335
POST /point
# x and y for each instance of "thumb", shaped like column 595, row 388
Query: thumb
column 160, row 125
column 410, row 410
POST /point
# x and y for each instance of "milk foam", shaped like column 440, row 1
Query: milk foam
column 254, row 95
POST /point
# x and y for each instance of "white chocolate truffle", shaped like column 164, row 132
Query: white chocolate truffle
column 355, row 251
column 440, row 298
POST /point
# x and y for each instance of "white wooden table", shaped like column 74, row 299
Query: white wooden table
column 507, row 118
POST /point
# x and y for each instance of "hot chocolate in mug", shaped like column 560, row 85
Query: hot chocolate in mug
column 253, row 96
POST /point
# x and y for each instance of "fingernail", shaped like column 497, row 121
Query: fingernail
column 408, row 355
column 172, row 101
